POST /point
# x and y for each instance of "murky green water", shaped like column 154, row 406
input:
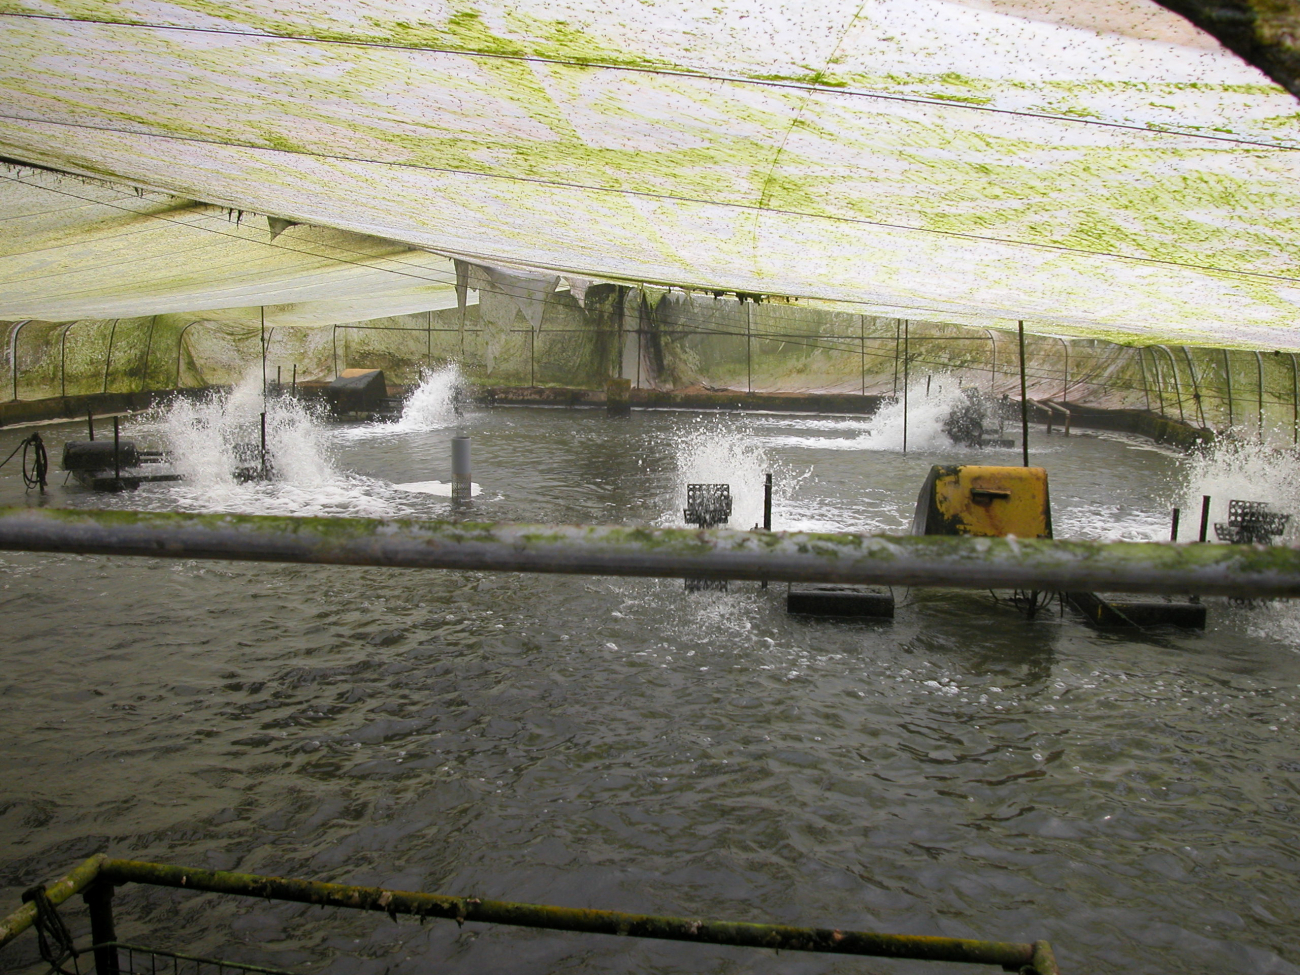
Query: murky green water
column 617, row 743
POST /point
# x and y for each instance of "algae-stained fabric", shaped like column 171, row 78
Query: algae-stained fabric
column 1097, row 167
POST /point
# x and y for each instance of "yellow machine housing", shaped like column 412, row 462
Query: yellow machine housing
column 968, row 499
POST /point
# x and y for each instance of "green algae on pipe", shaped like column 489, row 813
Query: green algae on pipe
column 1012, row 956
column 972, row 563
column 81, row 877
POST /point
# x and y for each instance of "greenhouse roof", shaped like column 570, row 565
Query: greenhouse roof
column 1097, row 167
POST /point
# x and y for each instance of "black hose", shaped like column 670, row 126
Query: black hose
column 35, row 472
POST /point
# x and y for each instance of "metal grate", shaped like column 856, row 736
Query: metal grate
column 136, row 960
column 1251, row 523
column 707, row 505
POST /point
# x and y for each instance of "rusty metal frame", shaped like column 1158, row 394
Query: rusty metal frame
column 96, row 877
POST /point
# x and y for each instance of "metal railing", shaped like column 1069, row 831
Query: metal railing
column 96, row 878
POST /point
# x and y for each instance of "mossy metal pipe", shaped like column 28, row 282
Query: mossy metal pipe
column 1012, row 956
column 78, row 880
column 975, row 563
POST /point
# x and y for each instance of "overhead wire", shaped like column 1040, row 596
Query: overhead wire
column 1146, row 129
column 669, row 197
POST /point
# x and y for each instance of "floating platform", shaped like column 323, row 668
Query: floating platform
column 1108, row 610
column 827, row 599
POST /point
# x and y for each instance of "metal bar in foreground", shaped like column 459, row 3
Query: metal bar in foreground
column 1012, row 956
column 1248, row 571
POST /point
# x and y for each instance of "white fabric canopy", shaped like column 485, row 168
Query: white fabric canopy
column 1095, row 168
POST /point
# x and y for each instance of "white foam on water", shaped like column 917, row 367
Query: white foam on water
column 441, row 489
column 203, row 438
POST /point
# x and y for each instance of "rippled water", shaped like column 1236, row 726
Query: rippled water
column 617, row 743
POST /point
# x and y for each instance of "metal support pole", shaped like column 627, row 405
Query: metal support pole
column 767, row 508
column 905, row 380
column 63, row 359
column 862, row 349
column 1065, row 375
column 1173, row 528
column 295, row 379
column 532, row 357
column 1146, row 389
column 263, row 341
column 99, row 898
column 336, row 351
column 278, row 384
column 180, row 347
column 90, row 424
column 898, row 327
column 993, row 368
column 1196, row 389
column 1295, row 403
column 428, row 339
column 1259, row 382
column 17, row 328
column 1227, row 379
column 1024, row 402
column 1160, row 390
column 1178, row 391
column 264, row 445
column 461, row 481
column 749, row 346
column 117, row 455
column 1205, row 516
column 108, row 357
column 148, row 344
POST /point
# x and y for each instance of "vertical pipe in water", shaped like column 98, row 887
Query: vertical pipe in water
column 1024, row 402
column 90, row 424
column 1205, row 516
column 1173, row 529
column 905, row 371
column 767, row 508
column 532, row 357
column 264, row 445
column 1227, row 379
column 117, row 462
column 428, row 339
column 295, row 379
column 336, row 350
column 1259, row 380
column 461, row 482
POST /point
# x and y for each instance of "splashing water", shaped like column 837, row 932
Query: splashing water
column 433, row 405
column 707, row 455
column 209, row 438
column 1243, row 471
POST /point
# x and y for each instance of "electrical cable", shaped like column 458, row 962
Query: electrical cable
column 34, row 473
